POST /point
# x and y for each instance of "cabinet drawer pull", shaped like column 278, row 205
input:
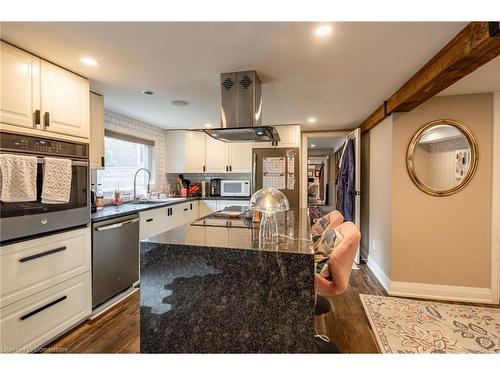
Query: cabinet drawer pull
column 227, row 169
column 48, row 252
column 26, row 316
column 37, row 117
column 186, row 209
column 46, row 119
column 149, row 220
column 230, row 168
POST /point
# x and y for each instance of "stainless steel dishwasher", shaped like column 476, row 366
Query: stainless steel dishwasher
column 115, row 257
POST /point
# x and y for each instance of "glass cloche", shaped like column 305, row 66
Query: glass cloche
column 269, row 200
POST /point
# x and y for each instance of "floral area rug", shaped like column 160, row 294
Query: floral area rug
column 410, row 326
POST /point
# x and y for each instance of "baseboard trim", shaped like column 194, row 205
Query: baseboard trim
column 430, row 291
column 441, row 292
column 379, row 274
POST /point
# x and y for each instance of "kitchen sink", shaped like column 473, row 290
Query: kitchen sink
column 163, row 200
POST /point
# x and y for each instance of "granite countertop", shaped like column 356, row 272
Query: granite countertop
column 111, row 212
column 213, row 290
column 293, row 226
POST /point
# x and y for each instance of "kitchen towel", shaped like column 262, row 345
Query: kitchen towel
column 56, row 187
column 17, row 178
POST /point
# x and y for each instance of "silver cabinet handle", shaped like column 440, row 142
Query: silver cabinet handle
column 117, row 225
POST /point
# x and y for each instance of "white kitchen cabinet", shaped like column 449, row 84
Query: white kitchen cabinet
column 206, row 207
column 31, row 266
column 185, row 212
column 38, row 319
column 64, row 101
column 195, row 155
column 185, row 151
column 19, row 86
column 96, row 131
column 240, row 157
column 153, row 222
column 216, row 155
column 289, row 135
column 159, row 220
column 40, row 98
column 196, row 152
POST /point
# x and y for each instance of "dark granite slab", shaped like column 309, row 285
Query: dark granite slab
column 213, row 290
column 111, row 212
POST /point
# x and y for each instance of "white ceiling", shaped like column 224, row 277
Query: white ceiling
column 325, row 143
column 483, row 79
column 339, row 79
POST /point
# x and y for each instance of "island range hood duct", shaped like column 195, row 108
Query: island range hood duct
column 241, row 110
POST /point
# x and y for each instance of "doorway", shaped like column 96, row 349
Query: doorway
column 321, row 183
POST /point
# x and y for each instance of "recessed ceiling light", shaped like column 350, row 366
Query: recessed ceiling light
column 208, row 125
column 88, row 61
column 323, row 30
column 313, row 145
column 179, row 103
column 311, row 120
column 148, row 92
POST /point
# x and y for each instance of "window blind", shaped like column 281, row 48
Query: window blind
column 128, row 137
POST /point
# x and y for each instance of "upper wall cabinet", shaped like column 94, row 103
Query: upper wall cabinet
column 96, row 131
column 289, row 135
column 185, row 151
column 38, row 97
column 216, row 155
column 64, row 101
column 19, row 87
column 196, row 152
column 240, row 157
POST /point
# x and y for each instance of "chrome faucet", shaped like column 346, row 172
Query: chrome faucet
column 135, row 200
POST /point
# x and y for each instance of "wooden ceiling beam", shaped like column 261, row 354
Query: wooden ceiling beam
column 474, row 46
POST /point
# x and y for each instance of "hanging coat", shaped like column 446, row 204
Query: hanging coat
column 347, row 182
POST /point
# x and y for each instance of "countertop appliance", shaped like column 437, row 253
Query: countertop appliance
column 115, row 257
column 235, row 188
column 25, row 219
column 215, row 187
column 241, row 110
column 278, row 168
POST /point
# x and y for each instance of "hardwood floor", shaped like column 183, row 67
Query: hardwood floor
column 117, row 330
column 346, row 323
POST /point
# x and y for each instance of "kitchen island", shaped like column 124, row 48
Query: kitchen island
column 207, row 287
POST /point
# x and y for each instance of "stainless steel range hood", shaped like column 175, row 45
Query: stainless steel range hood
column 241, row 110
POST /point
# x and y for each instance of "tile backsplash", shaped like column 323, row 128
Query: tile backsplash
column 199, row 177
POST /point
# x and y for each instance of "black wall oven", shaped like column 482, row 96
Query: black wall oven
column 20, row 220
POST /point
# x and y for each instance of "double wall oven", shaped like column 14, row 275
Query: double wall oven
column 20, row 220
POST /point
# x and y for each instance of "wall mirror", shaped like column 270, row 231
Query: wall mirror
column 442, row 157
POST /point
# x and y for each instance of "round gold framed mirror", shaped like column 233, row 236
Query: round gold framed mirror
column 442, row 157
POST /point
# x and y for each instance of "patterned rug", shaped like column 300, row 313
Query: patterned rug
column 409, row 326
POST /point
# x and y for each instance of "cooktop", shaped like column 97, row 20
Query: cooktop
column 216, row 220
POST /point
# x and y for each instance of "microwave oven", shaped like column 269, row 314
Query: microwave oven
column 235, row 188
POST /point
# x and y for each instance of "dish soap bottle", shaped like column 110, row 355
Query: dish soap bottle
column 99, row 200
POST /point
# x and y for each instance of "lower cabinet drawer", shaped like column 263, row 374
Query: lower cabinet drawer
column 31, row 266
column 34, row 321
column 151, row 222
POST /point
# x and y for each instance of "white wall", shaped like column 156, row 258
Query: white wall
column 495, row 203
column 380, row 192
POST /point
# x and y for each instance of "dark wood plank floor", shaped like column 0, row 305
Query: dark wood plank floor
column 117, row 330
column 346, row 323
